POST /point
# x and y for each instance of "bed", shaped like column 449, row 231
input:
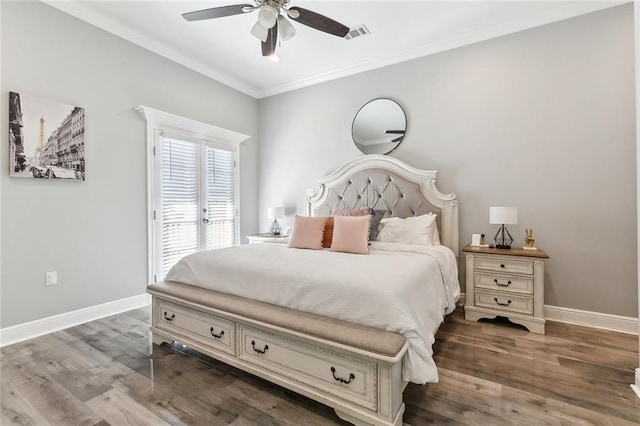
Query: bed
column 344, row 329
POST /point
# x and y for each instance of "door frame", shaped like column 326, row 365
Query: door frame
column 159, row 122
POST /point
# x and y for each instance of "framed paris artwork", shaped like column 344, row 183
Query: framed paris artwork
column 46, row 139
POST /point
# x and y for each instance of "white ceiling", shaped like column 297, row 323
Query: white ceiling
column 224, row 49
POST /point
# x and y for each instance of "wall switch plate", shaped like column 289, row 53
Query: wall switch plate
column 52, row 278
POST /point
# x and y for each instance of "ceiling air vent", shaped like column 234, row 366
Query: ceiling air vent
column 359, row 31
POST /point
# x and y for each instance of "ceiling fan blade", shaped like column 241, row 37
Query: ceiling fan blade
column 217, row 12
column 395, row 132
column 269, row 46
column 319, row 22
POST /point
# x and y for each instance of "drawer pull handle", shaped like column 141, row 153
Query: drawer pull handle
column 169, row 318
column 500, row 303
column 265, row 349
column 502, row 285
column 340, row 379
column 217, row 336
column 502, row 265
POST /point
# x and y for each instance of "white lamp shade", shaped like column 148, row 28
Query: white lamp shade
column 275, row 212
column 267, row 16
column 503, row 215
column 285, row 29
column 260, row 32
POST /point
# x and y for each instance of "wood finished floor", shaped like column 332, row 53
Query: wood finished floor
column 490, row 374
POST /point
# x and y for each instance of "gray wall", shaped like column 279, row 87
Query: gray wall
column 542, row 119
column 94, row 233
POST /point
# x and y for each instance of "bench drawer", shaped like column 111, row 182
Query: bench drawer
column 349, row 378
column 216, row 332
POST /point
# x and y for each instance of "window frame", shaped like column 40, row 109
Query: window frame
column 163, row 124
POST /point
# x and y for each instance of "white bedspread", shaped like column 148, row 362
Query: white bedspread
column 401, row 288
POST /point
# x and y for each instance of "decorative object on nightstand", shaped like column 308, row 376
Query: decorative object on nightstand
column 275, row 213
column 529, row 241
column 477, row 240
column 507, row 283
column 503, row 216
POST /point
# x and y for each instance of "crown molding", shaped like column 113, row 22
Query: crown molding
column 562, row 12
column 76, row 10
column 559, row 13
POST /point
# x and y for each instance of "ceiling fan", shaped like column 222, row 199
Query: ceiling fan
column 271, row 19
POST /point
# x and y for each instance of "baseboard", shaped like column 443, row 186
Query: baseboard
column 636, row 387
column 592, row 319
column 587, row 318
column 29, row 330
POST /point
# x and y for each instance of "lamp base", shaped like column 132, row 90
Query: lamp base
column 503, row 238
column 275, row 228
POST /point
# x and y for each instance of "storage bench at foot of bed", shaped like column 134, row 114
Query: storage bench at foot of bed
column 356, row 370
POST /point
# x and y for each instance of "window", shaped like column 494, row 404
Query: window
column 192, row 188
column 196, row 200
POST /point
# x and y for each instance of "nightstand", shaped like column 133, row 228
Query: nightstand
column 507, row 283
column 267, row 238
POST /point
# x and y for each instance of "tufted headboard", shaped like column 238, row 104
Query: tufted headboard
column 385, row 183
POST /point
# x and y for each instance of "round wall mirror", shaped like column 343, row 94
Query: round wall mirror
column 379, row 126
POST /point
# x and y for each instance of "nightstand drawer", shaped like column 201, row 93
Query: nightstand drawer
column 505, row 301
column 499, row 282
column 501, row 264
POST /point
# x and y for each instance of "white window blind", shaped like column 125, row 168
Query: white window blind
column 179, row 201
column 197, row 200
column 221, row 202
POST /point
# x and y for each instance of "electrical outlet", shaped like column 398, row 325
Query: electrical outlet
column 311, row 192
column 51, row 278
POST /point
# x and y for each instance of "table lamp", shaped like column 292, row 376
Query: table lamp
column 275, row 213
column 503, row 216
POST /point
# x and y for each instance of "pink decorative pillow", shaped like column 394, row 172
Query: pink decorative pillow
column 307, row 232
column 363, row 211
column 351, row 234
column 376, row 216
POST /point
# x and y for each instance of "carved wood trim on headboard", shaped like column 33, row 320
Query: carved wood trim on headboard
column 383, row 182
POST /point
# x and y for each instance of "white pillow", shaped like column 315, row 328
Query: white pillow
column 421, row 230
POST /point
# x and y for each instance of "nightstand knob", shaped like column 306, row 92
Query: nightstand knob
column 502, row 265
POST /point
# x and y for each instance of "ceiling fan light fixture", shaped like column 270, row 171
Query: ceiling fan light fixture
column 274, row 58
column 260, row 32
column 285, row 29
column 267, row 16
